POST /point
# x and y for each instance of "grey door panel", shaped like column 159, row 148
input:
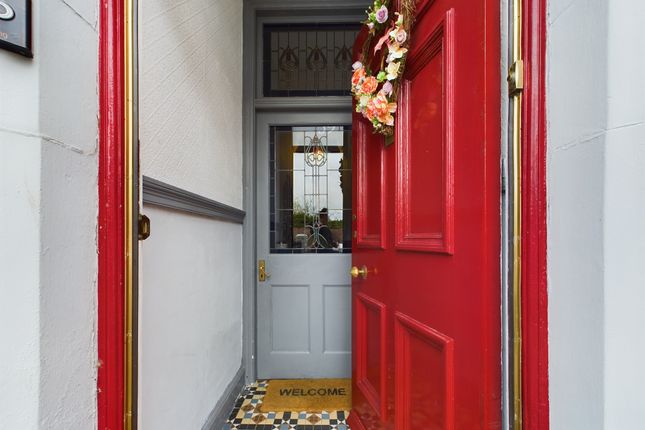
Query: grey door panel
column 304, row 307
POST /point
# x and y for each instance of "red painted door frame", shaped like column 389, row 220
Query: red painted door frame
column 111, row 246
column 110, row 383
column 534, row 282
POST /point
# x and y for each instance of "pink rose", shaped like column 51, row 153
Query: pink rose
column 387, row 88
column 400, row 36
column 381, row 15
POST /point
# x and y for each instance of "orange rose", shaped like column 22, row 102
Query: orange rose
column 369, row 85
column 380, row 104
column 386, row 119
column 381, row 109
column 357, row 76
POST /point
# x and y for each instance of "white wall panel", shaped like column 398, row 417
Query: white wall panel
column 19, row 280
column 190, row 317
column 191, row 267
column 575, row 176
column 625, row 217
column 596, row 154
column 48, row 222
column 191, row 96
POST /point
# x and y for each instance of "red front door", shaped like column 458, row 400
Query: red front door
column 427, row 316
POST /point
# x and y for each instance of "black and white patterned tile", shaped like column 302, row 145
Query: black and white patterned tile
column 247, row 416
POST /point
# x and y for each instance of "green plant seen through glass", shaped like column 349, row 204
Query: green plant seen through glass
column 302, row 217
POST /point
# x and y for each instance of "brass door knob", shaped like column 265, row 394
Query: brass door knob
column 356, row 272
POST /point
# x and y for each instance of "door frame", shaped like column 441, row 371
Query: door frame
column 534, row 312
column 118, row 211
column 112, row 184
column 257, row 12
column 111, row 222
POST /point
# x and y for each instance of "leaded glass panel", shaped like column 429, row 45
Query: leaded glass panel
column 310, row 189
column 308, row 60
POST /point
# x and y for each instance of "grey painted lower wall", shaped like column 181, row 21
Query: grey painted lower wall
column 224, row 406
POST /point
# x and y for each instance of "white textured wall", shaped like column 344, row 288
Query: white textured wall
column 596, row 184
column 48, row 210
column 19, row 276
column 191, row 321
column 625, row 217
column 20, row 148
column 191, row 137
column 191, row 95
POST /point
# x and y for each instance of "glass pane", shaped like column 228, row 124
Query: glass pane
column 308, row 60
column 310, row 189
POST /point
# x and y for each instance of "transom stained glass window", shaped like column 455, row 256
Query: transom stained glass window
column 310, row 189
column 308, row 60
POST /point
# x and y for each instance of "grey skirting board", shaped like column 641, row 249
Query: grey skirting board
column 159, row 193
column 224, row 406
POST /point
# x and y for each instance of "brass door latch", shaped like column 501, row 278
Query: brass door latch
column 143, row 227
column 516, row 78
column 263, row 275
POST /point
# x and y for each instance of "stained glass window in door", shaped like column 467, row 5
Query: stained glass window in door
column 308, row 60
column 310, row 189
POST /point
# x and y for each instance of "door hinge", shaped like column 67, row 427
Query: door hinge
column 144, row 227
column 515, row 78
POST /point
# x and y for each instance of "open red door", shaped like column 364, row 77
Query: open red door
column 426, row 329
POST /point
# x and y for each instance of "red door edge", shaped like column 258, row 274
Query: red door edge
column 111, row 251
column 534, row 276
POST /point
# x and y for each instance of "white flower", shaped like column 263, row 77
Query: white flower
column 357, row 65
column 393, row 70
column 395, row 52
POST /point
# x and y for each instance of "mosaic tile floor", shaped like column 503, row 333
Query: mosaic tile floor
column 245, row 415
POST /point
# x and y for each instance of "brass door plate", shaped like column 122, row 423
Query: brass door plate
column 262, row 271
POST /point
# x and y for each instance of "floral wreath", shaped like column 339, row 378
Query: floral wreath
column 376, row 95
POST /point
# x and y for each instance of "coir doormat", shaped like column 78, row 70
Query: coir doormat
column 310, row 395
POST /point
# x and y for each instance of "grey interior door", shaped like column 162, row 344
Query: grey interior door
column 304, row 238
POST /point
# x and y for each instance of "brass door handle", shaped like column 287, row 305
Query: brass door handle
column 356, row 272
column 263, row 275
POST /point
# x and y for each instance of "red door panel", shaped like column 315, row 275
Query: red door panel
column 371, row 326
column 424, row 375
column 370, row 201
column 427, row 319
column 371, row 350
column 425, row 168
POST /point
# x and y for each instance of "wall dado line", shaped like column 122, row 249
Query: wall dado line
column 159, row 193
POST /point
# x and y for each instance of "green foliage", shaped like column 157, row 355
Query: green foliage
column 335, row 224
column 302, row 217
